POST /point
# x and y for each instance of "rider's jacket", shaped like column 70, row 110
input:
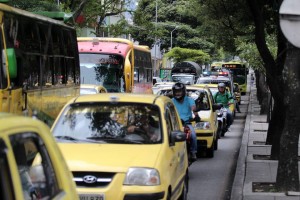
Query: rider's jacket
column 184, row 108
column 224, row 98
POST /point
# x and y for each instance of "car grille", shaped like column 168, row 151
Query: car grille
column 92, row 179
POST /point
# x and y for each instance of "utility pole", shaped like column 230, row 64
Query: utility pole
column 155, row 42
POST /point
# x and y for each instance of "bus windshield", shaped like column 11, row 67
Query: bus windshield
column 238, row 71
column 103, row 69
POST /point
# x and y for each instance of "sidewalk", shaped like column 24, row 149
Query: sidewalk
column 250, row 170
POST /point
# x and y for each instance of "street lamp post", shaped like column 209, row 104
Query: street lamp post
column 155, row 42
column 172, row 36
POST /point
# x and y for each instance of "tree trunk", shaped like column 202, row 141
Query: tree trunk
column 287, row 174
column 275, row 129
column 263, row 99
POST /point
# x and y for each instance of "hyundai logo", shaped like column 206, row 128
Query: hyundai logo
column 89, row 179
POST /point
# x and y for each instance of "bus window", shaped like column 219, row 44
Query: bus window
column 46, row 55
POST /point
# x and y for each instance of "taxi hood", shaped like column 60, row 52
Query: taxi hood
column 109, row 157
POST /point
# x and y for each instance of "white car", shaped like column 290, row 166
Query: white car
column 157, row 86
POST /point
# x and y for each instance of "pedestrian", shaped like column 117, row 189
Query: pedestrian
column 252, row 80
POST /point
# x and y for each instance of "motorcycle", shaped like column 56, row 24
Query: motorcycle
column 222, row 121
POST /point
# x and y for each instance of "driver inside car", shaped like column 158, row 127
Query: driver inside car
column 146, row 126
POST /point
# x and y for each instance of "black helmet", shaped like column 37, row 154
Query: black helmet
column 221, row 85
column 179, row 87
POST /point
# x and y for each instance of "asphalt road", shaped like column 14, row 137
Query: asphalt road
column 211, row 178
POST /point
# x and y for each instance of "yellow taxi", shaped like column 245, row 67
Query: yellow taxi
column 91, row 89
column 24, row 140
column 207, row 130
column 214, row 89
column 124, row 146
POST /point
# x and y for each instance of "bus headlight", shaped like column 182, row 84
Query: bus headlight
column 142, row 176
column 202, row 125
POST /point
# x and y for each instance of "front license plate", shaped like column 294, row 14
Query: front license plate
column 91, row 197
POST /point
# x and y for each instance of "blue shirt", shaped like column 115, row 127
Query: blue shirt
column 184, row 108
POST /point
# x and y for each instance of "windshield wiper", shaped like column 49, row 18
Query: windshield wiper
column 112, row 139
column 65, row 137
column 70, row 138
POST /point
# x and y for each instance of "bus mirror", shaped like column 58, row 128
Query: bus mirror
column 12, row 62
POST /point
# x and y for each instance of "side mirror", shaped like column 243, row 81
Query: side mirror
column 216, row 107
column 177, row 136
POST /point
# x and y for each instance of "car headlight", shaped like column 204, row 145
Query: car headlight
column 142, row 176
column 202, row 125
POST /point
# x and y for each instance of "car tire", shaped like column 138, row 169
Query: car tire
column 216, row 141
column 210, row 151
column 219, row 131
column 184, row 192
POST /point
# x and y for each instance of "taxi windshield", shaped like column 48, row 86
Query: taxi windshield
column 109, row 123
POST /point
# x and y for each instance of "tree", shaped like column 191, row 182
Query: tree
column 182, row 54
column 180, row 13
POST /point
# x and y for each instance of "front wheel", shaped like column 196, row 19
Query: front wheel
column 185, row 188
column 210, row 151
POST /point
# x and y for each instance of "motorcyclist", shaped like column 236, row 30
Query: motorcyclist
column 186, row 106
column 225, row 98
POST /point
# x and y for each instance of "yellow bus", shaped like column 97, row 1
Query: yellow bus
column 117, row 64
column 39, row 61
column 239, row 71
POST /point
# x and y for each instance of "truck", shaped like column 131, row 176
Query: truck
column 186, row 72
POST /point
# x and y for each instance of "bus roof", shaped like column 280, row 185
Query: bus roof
column 20, row 12
column 119, row 46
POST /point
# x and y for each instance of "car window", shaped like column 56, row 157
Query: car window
column 84, row 91
column 169, row 123
column 6, row 186
column 174, row 117
column 34, row 165
column 124, row 123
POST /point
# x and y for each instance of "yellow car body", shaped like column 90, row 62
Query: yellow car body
column 207, row 129
column 214, row 89
column 91, row 89
column 237, row 92
column 108, row 166
column 23, row 141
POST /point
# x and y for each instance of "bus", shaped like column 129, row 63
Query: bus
column 117, row 64
column 39, row 61
column 239, row 71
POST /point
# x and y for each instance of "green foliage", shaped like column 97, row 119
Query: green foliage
column 181, row 54
column 35, row 5
column 248, row 50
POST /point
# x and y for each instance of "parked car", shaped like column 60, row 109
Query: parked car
column 124, row 146
column 31, row 164
column 91, row 89
column 207, row 130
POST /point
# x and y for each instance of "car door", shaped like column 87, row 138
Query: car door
column 7, row 190
column 179, row 148
column 38, row 179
